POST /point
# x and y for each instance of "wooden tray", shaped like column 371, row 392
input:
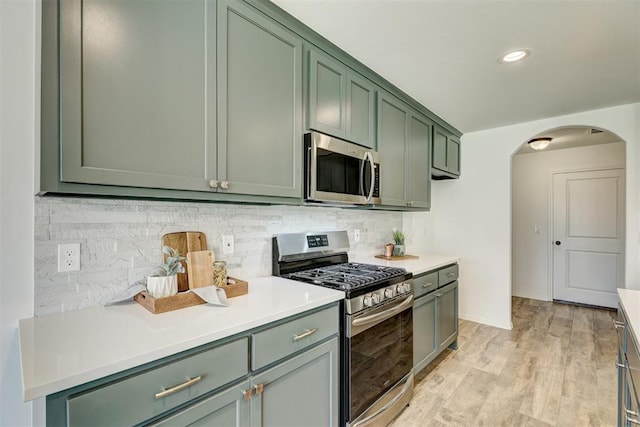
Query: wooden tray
column 397, row 258
column 186, row 299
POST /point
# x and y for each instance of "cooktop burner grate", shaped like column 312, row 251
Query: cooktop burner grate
column 347, row 276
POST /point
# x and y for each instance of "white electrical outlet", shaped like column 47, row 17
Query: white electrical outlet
column 68, row 257
column 356, row 235
column 227, row 245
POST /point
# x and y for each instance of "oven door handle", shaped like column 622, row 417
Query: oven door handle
column 363, row 321
column 390, row 404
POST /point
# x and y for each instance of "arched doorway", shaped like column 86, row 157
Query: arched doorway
column 567, row 213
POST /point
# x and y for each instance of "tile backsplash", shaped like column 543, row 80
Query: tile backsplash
column 120, row 240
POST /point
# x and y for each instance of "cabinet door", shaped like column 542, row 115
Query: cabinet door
column 302, row 391
column 360, row 111
column 228, row 408
column 418, row 162
column 392, row 136
column 135, row 79
column 259, row 104
column 440, row 144
column 447, row 315
column 453, row 156
column 425, row 344
column 327, row 95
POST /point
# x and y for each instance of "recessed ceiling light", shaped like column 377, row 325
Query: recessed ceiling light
column 514, row 56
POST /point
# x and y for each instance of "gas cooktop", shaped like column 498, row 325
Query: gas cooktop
column 347, row 276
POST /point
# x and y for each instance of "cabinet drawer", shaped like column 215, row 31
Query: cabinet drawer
column 135, row 399
column 424, row 284
column 447, row 275
column 275, row 343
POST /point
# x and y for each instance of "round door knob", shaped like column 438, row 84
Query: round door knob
column 388, row 293
column 367, row 302
column 558, row 242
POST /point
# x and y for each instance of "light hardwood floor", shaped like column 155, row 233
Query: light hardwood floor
column 556, row 367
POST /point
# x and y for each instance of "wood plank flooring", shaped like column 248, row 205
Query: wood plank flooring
column 555, row 368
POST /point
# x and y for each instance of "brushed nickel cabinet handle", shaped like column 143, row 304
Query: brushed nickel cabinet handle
column 305, row 334
column 224, row 185
column 179, row 387
column 213, row 183
column 631, row 416
column 451, row 275
column 618, row 325
column 247, row 394
column 259, row 388
column 426, row 285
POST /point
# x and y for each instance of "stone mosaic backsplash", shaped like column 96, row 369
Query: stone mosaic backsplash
column 120, row 240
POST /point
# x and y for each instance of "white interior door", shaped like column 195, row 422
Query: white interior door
column 588, row 236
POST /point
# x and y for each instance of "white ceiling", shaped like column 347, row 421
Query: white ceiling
column 585, row 53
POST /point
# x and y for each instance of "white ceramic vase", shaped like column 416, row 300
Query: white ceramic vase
column 398, row 250
column 162, row 286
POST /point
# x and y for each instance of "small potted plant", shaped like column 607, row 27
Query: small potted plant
column 165, row 283
column 398, row 238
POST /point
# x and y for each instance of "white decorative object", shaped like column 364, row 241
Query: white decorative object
column 162, row 286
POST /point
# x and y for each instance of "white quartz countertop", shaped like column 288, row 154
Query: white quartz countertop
column 630, row 301
column 68, row 349
column 422, row 264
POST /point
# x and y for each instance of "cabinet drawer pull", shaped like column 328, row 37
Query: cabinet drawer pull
column 618, row 325
column 631, row 416
column 305, row 334
column 426, row 285
column 176, row 388
column 247, row 394
column 259, row 388
column 213, row 183
column 451, row 275
column 224, row 185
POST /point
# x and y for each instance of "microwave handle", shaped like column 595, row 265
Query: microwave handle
column 369, row 156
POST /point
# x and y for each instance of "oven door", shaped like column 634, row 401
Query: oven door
column 338, row 171
column 379, row 346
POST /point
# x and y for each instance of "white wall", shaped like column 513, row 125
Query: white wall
column 17, row 140
column 531, row 187
column 472, row 215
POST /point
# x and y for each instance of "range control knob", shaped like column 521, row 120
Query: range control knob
column 367, row 301
column 375, row 298
column 388, row 293
column 401, row 288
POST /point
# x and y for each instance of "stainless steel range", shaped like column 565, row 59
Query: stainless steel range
column 376, row 324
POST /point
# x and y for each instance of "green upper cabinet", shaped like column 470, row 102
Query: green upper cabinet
column 133, row 92
column 446, row 154
column 195, row 95
column 259, row 104
column 418, row 162
column 403, row 142
column 341, row 101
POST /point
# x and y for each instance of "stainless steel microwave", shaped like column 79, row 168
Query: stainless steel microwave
column 340, row 172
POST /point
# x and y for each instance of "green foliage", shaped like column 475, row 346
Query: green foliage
column 398, row 237
column 173, row 265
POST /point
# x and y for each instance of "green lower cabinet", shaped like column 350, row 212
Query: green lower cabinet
column 447, row 315
column 228, row 408
column 425, row 345
column 302, row 391
column 435, row 317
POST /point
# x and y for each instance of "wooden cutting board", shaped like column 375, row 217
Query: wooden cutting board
column 200, row 267
column 184, row 242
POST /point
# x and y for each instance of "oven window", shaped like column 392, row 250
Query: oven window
column 380, row 357
column 338, row 173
